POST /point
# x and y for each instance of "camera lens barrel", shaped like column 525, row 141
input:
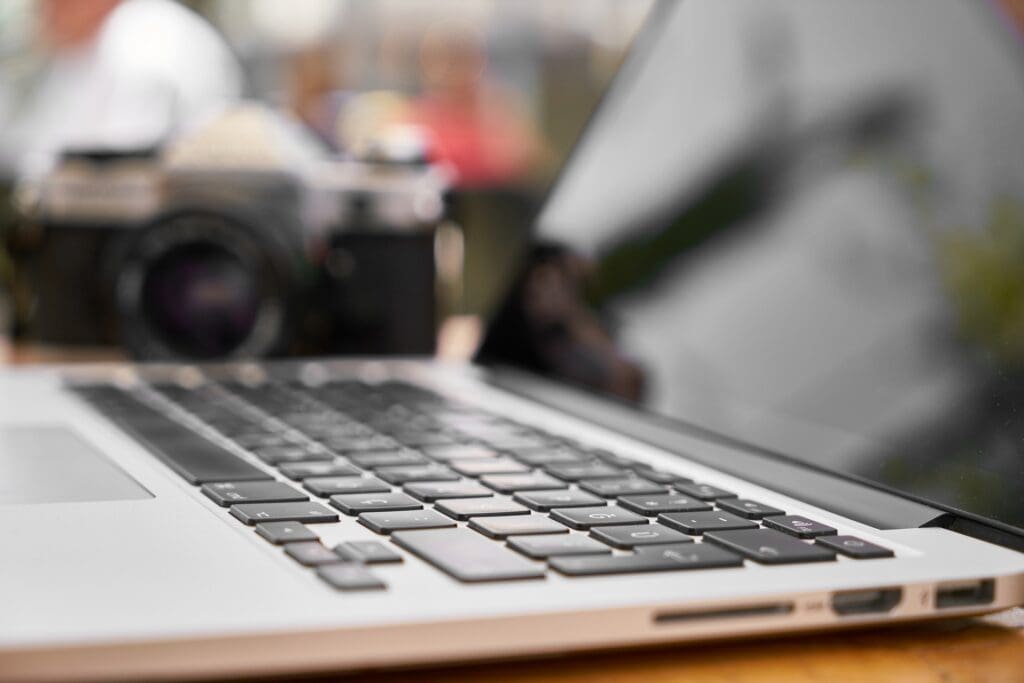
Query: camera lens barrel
column 205, row 284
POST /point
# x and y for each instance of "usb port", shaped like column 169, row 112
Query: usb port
column 873, row 601
column 965, row 593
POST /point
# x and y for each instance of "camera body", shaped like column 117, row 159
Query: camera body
column 239, row 240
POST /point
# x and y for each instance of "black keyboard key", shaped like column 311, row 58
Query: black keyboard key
column 350, row 577
column 516, row 525
column 750, row 509
column 586, row 518
column 613, row 459
column 330, row 486
column 460, row 452
column 280, row 533
column 431, row 472
column 261, row 439
column 258, row 513
column 613, row 488
column 481, row 466
column 375, row 459
column 854, row 547
column 195, row 458
column 703, row 491
column 386, row 522
column 430, row 491
column 656, row 504
column 543, row 547
column 335, row 432
column 357, row 503
column 304, row 470
column 659, row 476
column 484, row 427
column 464, row 508
column 229, row 426
column 367, row 552
column 586, row 470
column 768, row 546
column 349, row 445
column 488, row 428
column 798, row 526
column 311, row 554
column 633, row 535
column 514, row 442
column 563, row 498
column 551, row 456
column 230, row 493
column 652, row 559
column 468, row 421
column 280, row 455
column 696, row 523
column 423, row 438
column 467, row 556
column 511, row 483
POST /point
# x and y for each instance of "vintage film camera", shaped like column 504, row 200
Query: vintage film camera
column 239, row 239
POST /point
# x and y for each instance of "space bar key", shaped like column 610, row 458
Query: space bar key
column 467, row 556
column 197, row 459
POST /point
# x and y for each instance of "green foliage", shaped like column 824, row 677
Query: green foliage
column 984, row 273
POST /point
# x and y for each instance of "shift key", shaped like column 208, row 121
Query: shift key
column 466, row 555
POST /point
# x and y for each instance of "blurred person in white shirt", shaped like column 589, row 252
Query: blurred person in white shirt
column 118, row 75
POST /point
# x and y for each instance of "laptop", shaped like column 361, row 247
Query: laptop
column 773, row 418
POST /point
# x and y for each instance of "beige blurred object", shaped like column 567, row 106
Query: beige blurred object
column 458, row 337
column 246, row 136
column 35, row 354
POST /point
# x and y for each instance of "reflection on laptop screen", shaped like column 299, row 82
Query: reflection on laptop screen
column 803, row 225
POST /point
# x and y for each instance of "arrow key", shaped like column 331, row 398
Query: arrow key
column 696, row 523
column 358, row 503
column 634, row 535
column 279, row 533
column 650, row 559
column 858, row 549
column 798, row 526
column 769, row 546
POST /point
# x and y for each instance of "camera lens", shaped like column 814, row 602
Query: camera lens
column 201, row 299
column 205, row 285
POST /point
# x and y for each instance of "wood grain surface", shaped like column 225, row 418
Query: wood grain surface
column 963, row 651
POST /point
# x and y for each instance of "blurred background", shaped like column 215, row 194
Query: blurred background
column 216, row 179
column 797, row 223
column 445, row 118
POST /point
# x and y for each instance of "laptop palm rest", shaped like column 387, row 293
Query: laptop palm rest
column 51, row 464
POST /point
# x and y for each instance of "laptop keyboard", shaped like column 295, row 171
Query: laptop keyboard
column 477, row 495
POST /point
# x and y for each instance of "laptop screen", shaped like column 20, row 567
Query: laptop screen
column 802, row 225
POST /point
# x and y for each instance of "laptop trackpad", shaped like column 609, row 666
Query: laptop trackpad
column 54, row 465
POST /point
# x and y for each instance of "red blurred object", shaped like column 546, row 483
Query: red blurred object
column 485, row 145
column 474, row 124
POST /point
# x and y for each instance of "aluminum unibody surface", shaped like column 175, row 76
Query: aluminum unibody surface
column 173, row 586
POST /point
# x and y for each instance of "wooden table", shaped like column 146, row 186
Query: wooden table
column 963, row 651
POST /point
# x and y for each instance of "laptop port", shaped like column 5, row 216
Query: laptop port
column 769, row 610
column 873, row 601
column 965, row 593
